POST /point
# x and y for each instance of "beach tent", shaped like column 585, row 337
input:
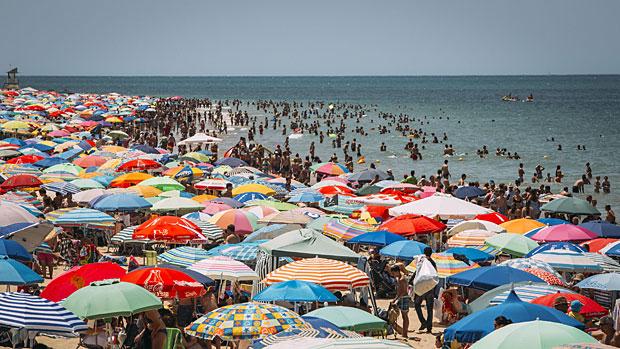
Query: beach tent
column 440, row 205
column 306, row 243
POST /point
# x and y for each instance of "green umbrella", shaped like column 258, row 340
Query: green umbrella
column 280, row 206
column 511, row 243
column 533, row 335
column 163, row 183
column 110, row 298
column 195, row 156
column 118, row 134
column 349, row 318
column 320, row 222
column 570, row 205
column 177, row 204
column 67, row 167
column 87, row 184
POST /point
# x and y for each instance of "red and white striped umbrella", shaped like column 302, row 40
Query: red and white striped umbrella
column 331, row 274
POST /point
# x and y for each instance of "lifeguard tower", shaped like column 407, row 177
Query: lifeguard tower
column 11, row 80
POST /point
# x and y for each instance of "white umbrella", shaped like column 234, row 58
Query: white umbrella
column 442, row 205
column 476, row 224
column 199, row 138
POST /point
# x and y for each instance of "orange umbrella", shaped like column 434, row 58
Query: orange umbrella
column 165, row 283
column 411, row 224
column 167, row 228
column 521, row 225
column 596, row 245
column 90, row 161
column 129, row 179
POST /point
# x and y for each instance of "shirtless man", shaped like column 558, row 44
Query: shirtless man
column 402, row 299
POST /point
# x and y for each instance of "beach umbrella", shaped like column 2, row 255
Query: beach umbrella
column 470, row 238
column 224, row 268
column 260, row 211
column 564, row 232
column 62, row 188
column 20, row 197
column 602, row 228
column 590, row 307
column 38, row 315
column 90, row 161
column 244, row 321
column 346, row 228
column 212, row 208
column 603, row 282
column 552, row 221
column 535, row 334
column 228, row 201
column 249, row 196
column 331, row 274
column 13, row 272
column 570, row 261
column 29, row 235
column 86, row 184
column 318, row 329
column 80, row 217
column 570, row 205
column 555, row 246
column 25, row 159
column 330, row 168
column 121, row 202
column 584, row 346
column 64, row 168
column 110, row 298
column 200, row 138
column 510, row 243
column 479, row 324
column 253, row 188
column 88, row 195
column 139, row 165
column 243, row 251
column 447, row 264
column 526, row 292
column 406, row 249
column 349, row 318
column 271, row 231
column 335, row 189
column 486, row 278
column 65, row 284
column 440, row 205
column 521, row 225
column 14, row 250
column 244, row 222
column 165, row 283
column 472, row 254
column 335, row 341
column 368, row 175
column 309, row 197
column 295, row 291
column 13, row 213
column 288, row 217
column 128, row 179
column 376, row 238
column 15, row 125
column 209, row 230
column 280, row 206
column 230, row 161
column 20, row 181
column 183, row 256
column 177, row 204
column 475, row 224
column 468, row 192
column 548, row 277
column 167, row 228
column 163, row 183
column 525, row 263
column 411, row 224
column 145, row 191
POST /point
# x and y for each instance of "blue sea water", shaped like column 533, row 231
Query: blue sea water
column 574, row 110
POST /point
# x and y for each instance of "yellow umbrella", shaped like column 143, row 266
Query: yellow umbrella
column 15, row 125
column 146, row 191
column 64, row 146
column 87, row 175
column 48, row 143
column 253, row 187
column 203, row 197
column 113, row 148
column 521, row 225
column 111, row 164
column 114, row 119
column 50, row 127
column 129, row 179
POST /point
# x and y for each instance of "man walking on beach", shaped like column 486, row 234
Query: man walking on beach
column 428, row 297
column 402, row 299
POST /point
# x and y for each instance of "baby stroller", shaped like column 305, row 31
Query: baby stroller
column 383, row 283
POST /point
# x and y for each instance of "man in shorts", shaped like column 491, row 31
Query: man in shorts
column 402, row 299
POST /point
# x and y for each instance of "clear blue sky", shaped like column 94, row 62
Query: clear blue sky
column 317, row 37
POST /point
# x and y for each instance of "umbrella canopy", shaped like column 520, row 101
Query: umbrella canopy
column 62, row 188
column 87, row 183
column 521, row 225
column 177, row 204
column 229, row 161
column 167, row 228
column 548, row 277
column 349, row 318
column 110, row 298
column 330, row 168
column 138, row 164
column 305, row 243
column 468, row 192
column 65, row 284
column 21, row 181
column 470, row 238
column 602, row 229
column 510, row 243
column 526, row 292
column 475, row 224
column 306, row 196
column 212, row 208
column 183, row 256
column 249, row 196
column 376, row 238
column 243, row 251
column 604, row 282
column 295, row 291
column 406, row 249
column 472, row 254
column 333, row 341
column 165, row 283
column 14, row 250
column 231, row 202
column 253, row 188
column 13, row 272
column 525, row 263
column 80, row 217
column 13, row 213
column 129, row 179
column 590, row 307
column 570, row 261
column 564, row 232
column 121, row 202
column 244, row 222
column 477, row 325
column 535, row 334
column 38, row 315
column 331, row 274
column 487, row 278
column 271, row 231
column 244, row 321
column 163, row 183
column 90, row 161
column 346, row 228
column 447, row 264
column 224, row 268
column 280, row 206
column 411, row 224
column 367, row 175
column 570, row 205
column 440, row 205
column 260, row 211
column 556, row 246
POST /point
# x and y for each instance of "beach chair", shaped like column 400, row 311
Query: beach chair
column 150, row 258
column 173, row 339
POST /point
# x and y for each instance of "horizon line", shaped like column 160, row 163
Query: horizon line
column 318, row 76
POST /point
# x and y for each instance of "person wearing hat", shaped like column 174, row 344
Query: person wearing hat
column 610, row 337
column 575, row 308
column 561, row 304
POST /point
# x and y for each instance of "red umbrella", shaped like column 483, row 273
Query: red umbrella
column 546, row 276
column 167, row 228
column 139, row 164
column 596, row 245
column 377, row 212
column 335, row 189
column 25, row 159
column 21, row 181
column 411, row 224
column 590, row 307
column 90, row 161
column 75, row 278
column 494, row 217
column 165, row 283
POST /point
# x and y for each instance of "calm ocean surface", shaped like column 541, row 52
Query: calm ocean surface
column 572, row 109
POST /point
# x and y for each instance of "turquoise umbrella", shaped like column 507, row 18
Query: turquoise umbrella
column 13, row 272
column 349, row 318
column 570, row 205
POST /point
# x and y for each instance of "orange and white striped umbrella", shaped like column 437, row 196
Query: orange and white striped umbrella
column 331, row 274
column 470, row 238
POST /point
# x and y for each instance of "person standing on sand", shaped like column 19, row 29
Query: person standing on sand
column 402, row 299
column 428, row 297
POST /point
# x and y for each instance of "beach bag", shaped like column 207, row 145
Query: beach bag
column 426, row 277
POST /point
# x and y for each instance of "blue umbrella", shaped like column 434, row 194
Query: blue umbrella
column 320, row 328
column 228, row 201
column 307, row 196
column 295, row 291
column 468, row 192
column 487, row 278
column 602, row 229
column 13, row 272
column 249, row 196
column 49, row 162
column 15, row 141
column 552, row 221
column 7, row 230
column 105, row 179
column 145, row 148
column 472, row 254
column 243, row 251
column 406, row 249
column 232, row 162
column 376, row 238
column 604, row 282
column 121, row 202
column 199, row 216
column 479, row 324
column 14, row 250
column 560, row 245
column 39, row 147
column 62, row 188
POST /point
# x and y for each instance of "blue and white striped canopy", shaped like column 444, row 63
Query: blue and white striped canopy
column 183, row 256
column 570, row 261
column 62, row 188
column 81, row 216
column 39, row 315
column 529, row 292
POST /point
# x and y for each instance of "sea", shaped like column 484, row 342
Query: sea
column 567, row 110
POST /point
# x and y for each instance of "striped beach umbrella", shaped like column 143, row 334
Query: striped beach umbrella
column 470, row 238
column 329, row 168
column 260, row 211
column 22, row 197
column 447, row 265
column 224, row 268
column 76, row 217
column 244, row 222
column 38, row 315
column 525, row 263
column 62, row 188
column 183, row 256
column 244, row 321
column 528, row 293
column 243, row 251
column 346, row 228
column 209, row 230
column 249, row 196
column 570, row 261
column 331, row 274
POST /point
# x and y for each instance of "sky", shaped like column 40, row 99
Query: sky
column 318, row 37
